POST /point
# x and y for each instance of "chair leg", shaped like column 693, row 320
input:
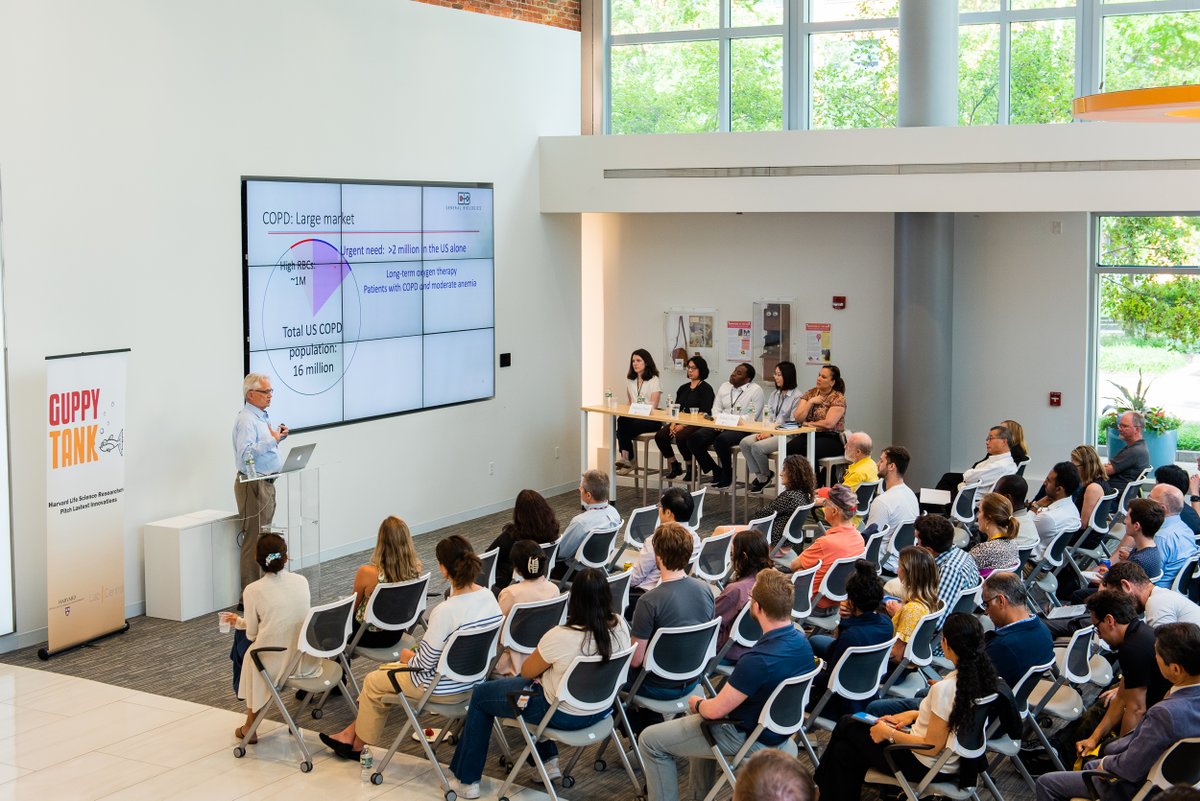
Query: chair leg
column 1045, row 741
column 276, row 698
column 726, row 775
column 991, row 786
column 529, row 751
column 641, row 790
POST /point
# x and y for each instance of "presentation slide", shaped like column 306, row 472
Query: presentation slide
column 368, row 299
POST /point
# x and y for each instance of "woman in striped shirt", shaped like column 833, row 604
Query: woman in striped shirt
column 468, row 606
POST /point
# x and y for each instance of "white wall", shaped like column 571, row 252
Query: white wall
column 653, row 262
column 125, row 128
column 1021, row 322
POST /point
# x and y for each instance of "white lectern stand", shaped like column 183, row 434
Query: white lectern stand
column 298, row 508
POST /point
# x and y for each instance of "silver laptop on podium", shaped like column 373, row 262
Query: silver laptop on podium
column 297, row 459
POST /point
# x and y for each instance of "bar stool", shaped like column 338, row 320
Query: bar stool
column 642, row 470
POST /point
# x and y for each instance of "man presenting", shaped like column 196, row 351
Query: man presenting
column 255, row 442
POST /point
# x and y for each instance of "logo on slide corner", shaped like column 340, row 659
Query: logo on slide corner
column 464, row 198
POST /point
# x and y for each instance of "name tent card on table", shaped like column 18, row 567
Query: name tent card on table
column 641, row 409
column 730, row 420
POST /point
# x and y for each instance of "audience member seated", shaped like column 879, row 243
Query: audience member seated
column 1130, row 758
column 1017, row 446
column 780, row 654
column 533, row 519
column 530, row 563
column 275, row 608
column 590, row 629
column 1019, row 640
column 861, row 624
column 781, row 406
column 1142, row 685
column 824, row 408
column 997, row 524
column 771, row 775
column 1174, row 539
column 1093, row 483
column 998, row 462
column 862, row 467
column 1177, row 477
column 956, row 570
column 642, row 386
column 1142, row 525
column 840, row 541
column 897, row 505
column 597, row 513
column 674, row 506
column 919, row 575
column 678, row 600
column 696, row 393
column 856, row 746
column 469, row 605
column 1060, row 513
column 1158, row 605
column 1132, row 459
column 749, row 556
column 736, row 396
column 1016, row 489
column 799, row 486
column 394, row 559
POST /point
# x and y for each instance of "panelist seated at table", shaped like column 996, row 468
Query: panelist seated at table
column 758, row 448
column 642, row 386
column 694, row 396
column 824, row 408
column 738, row 395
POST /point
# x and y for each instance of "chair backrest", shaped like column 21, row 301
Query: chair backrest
column 833, row 583
column 963, row 510
column 1023, row 556
column 1183, row 579
column 526, row 623
column 697, row 508
column 714, row 560
column 763, row 525
column 598, row 547
column 397, row 606
column 1101, row 518
column 1132, row 490
column 641, row 525
column 919, row 648
column 745, row 630
column 1053, row 554
column 970, row 741
column 967, row 601
column 866, row 492
column 783, row 713
column 1026, row 684
column 875, row 540
column 591, row 685
column 618, row 584
column 860, row 670
column 550, row 551
column 802, row 581
column 681, row 653
column 467, row 655
column 1179, row 764
column 793, row 530
column 1076, row 662
column 487, row 573
column 1021, row 467
column 326, row 628
column 906, row 535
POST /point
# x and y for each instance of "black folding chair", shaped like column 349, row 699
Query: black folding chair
column 395, row 607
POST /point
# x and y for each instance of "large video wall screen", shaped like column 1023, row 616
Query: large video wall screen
column 368, row 299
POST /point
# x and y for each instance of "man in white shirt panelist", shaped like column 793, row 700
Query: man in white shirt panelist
column 737, row 395
column 1061, row 514
column 897, row 505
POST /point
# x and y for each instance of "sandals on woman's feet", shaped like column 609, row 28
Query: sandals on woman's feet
column 240, row 733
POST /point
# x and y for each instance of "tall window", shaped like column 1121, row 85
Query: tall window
column 755, row 65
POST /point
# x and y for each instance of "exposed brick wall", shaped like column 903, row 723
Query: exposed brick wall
column 556, row 13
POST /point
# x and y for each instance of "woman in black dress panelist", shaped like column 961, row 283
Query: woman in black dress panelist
column 697, row 394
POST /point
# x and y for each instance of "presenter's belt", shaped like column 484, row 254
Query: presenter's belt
column 267, row 480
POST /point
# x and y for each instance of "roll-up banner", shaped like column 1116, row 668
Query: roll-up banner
column 85, row 496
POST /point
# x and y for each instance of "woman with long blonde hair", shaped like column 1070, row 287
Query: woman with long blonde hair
column 394, row 559
column 1016, row 446
column 919, row 575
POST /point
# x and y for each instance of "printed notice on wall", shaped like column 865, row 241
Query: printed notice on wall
column 817, row 337
column 738, row 339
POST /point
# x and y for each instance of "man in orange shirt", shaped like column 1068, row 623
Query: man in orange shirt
column 840, row 541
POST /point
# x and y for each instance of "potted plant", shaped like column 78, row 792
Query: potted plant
column 1161, row 430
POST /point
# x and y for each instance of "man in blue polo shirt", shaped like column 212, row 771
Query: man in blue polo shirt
column 1020, row 640
column 781, row 653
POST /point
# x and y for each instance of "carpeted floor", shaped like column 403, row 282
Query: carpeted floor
column 190, row 660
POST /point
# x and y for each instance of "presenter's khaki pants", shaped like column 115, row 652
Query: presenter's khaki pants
column 256, row 510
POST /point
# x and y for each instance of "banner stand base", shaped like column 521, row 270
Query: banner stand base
column 44, row 654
